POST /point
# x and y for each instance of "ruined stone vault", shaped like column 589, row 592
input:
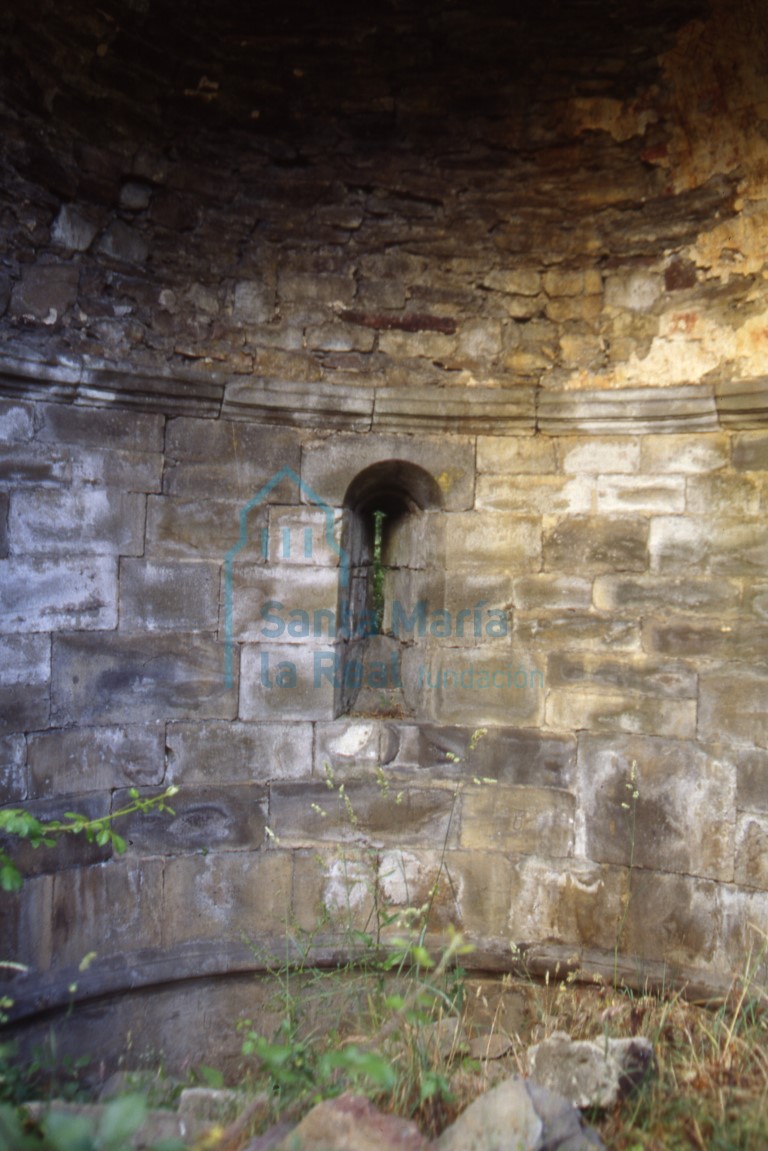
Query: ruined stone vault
column 477, row 290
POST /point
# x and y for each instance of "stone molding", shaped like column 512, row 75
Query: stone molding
column 524, row 410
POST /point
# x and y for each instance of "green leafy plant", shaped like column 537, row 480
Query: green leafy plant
column 19, row 823
column 57, row 1130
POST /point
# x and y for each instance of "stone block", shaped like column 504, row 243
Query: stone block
column 298, row 404
column 708, row 544
column 513, row 455
column 756, row 600
column 738, row 641
column 340, row 337
column 719, row 495
column 42, row 594
column 620, row 711
column 83, row 520
column 546, row 495
column 542, row 592
column 628, row 672
column 25, row 924
column 109, row 678
column 25, row 672
column 129, row 471
column 305, row 814
column 494, row 541
column 73, row 229
column 226, row 817
column 26, row 464
column 573, row 902
column 576, row 544
column 204, row 529
column 289, row 681
column 95, row 759
column 100, row 429
column 627, row 411
column 253, row 302
column 230, row 460
column 17, row 422
column 523, row 820
column 115, row 909
column 599, row 454
column 669, row 917
column 752, row 780
column 330, row 465
column 509, row 755
column 406, row 407
column 211, row 753
column 514, row 281
column 68, row 851
column 182, row 595
column 733, row 704
column 226, row 897
column 4, row 503
column 752, row 851
column 413, row 877
column 285, row 605
column 124, row 244
column 749, row 451
column 590, row 1073
column 45, row 292
column 668, row 826
column 13, row 769
column 636, row 290
column 649, row 495
column 335, row 889
column 638, row 594
column 316, row 287
column 473, row 686
column 684, row 454
column 575, row 630
column 351, row 748
column 478, row 606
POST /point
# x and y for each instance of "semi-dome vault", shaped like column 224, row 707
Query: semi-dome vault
column 464, row 304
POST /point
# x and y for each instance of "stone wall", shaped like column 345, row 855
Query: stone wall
column 243, row 309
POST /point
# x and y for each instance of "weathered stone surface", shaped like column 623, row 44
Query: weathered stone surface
column 543, row 592
column 208, row 529
column 226, row 896
column 547, row 495
column 230, row 818
column 94, row 759
column 587, row 543
column 496, row 541
column 352, row 1123
column 587, row 1073
column 277, row 605
column 621, row 712
column 45, row 292
column 671, row 915
column 73, row 230
column 112, row 909
column 750, row 452
column 752, row 851
column 594, row 673
column 687, row 454
column 734, row 704
column 13, row 769
column 542, row 633
column 519, row 1114
column 206, row 753
column 288, row 681
column 523, row 820
column 230, row 460
column 100, row 429
column 117, row 679
column 82, row 520
column 599, row 454
column 722, row 546
column 752, row 780
column 473, row 685
column 734, row 640
column 513, row 455
column 155, row 596
column 124, row 244
column 328, row 466
column 17, row 422
column 67, row 851
column 42, row 594
column 298, row 404
column 486, row 411
column 25, row 672
column 306, row 814
column 653, row 495
column 661, row 594
column 667, row 825
column 4, row 502
column 23, row 464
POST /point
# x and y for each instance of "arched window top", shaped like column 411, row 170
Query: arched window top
column 393, row 487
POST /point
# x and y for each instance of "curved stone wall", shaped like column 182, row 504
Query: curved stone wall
column 518, row 255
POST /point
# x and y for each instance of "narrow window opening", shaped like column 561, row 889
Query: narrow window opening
column 382, row 509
